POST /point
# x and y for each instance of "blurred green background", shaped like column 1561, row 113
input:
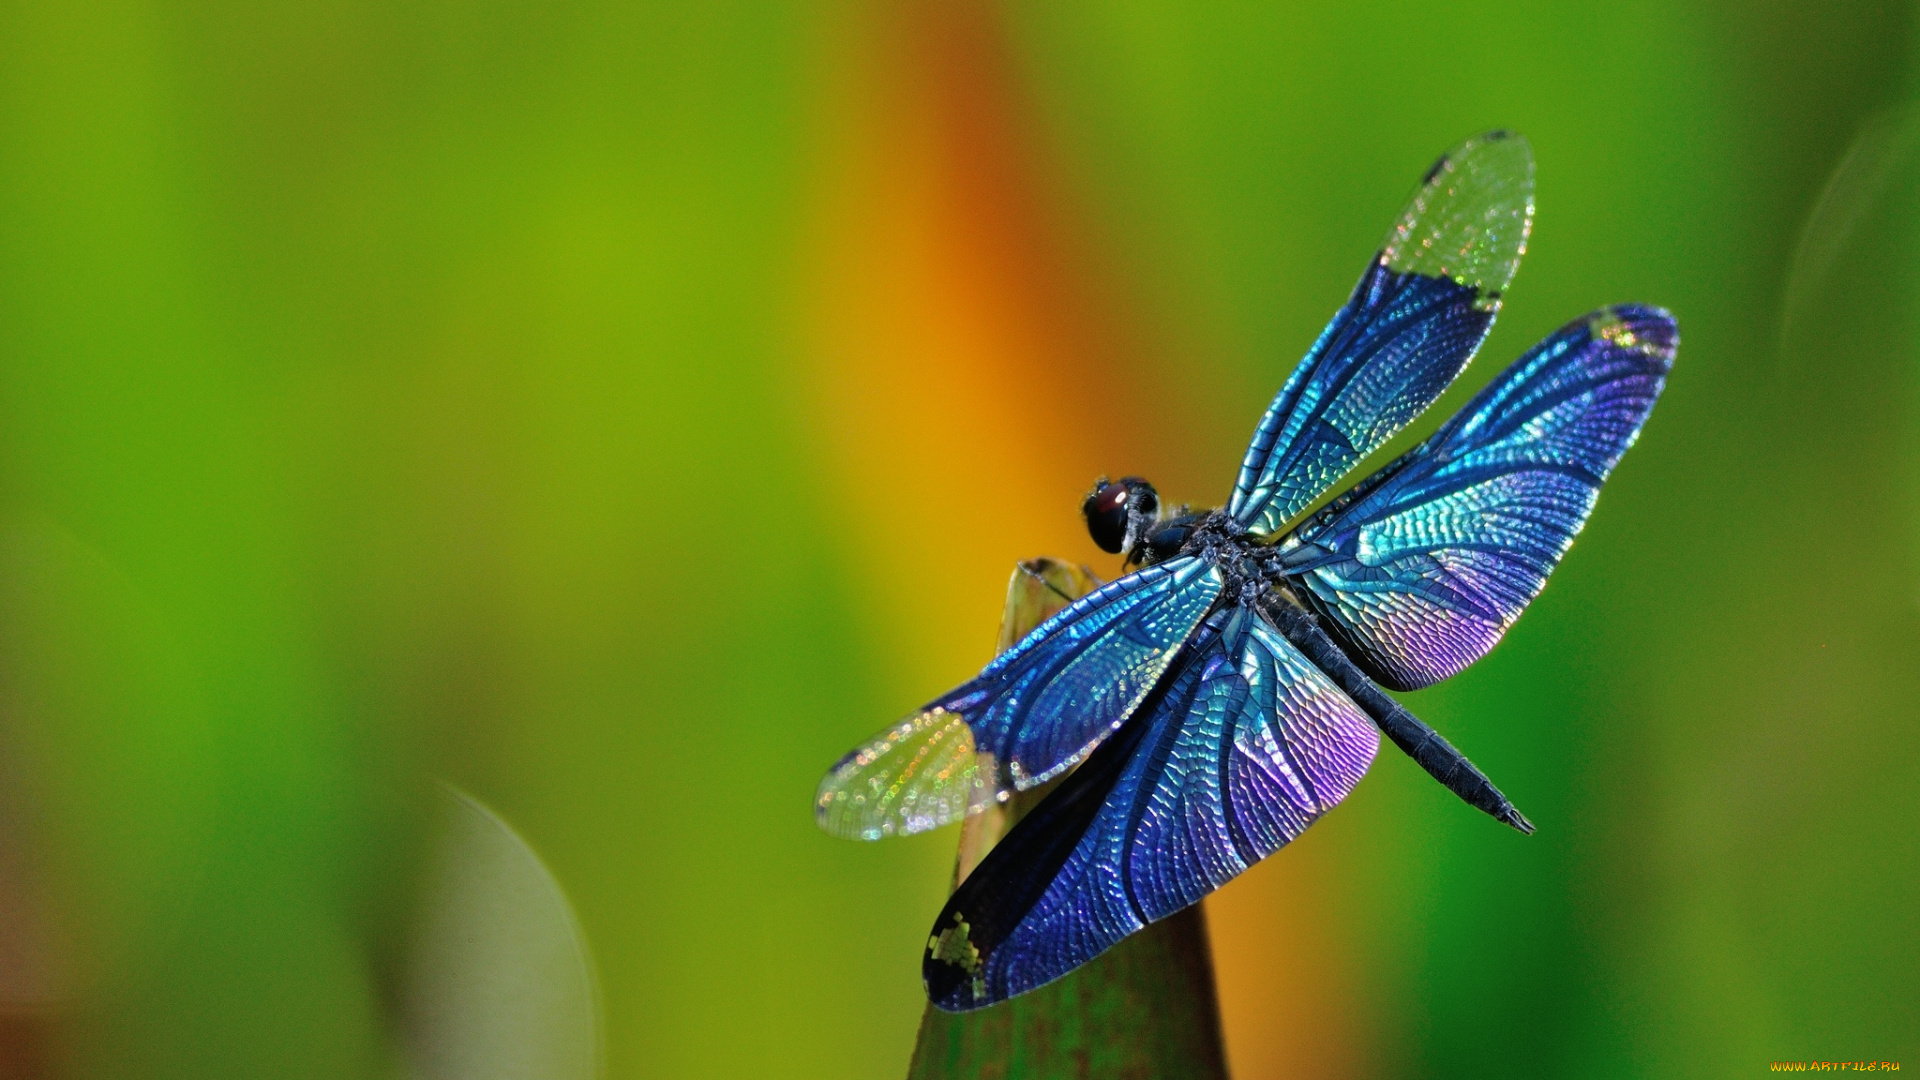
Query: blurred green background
column 620, row 410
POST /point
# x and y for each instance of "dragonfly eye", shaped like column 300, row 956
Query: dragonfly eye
column 1119, row 512
column 1106, row 512
column 1141, row 498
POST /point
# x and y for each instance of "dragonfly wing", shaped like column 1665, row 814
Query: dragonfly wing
column 1422, row 567
column 1243, row 747
column 1415, row 319
column 1042, row 705
column 917, row 775
column 1032, row 713
column 1268, row 746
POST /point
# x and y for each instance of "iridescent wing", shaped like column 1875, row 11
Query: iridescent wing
column 1418, row 314
column 1421, row 568
column 1032, row 713
column 1244, row 746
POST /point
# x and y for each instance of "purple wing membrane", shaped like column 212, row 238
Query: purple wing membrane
column 1244, row 745
column 1420, row 569
column 1415, row 319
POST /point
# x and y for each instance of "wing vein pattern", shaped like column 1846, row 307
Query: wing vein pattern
column 1420, row 569
column 1244, row 746
column 1038, row 709
column 1413, row 322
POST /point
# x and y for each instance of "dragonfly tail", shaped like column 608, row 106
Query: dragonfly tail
column 1420, row 742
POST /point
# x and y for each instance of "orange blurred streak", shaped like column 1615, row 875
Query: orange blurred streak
column 961, row 377
column 1289, row 996
column 25, row 1046
column 955, row 358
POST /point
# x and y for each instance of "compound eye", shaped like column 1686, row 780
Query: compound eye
column 1106, row 512
column 1142, row 498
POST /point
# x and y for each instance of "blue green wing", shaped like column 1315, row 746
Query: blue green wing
column 1244, row 746
column 1032, row 713
column 1420, row 569
column 1415, row 319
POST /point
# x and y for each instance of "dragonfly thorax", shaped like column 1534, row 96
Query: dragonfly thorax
column 1251, row 567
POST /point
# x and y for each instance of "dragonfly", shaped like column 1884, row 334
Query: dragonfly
column 1228, row 690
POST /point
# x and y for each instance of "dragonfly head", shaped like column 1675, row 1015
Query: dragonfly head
column 1120, row 512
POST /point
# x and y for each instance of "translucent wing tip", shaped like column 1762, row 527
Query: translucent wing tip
column 919, row 774
column 1648, row 330
column 1470, row 218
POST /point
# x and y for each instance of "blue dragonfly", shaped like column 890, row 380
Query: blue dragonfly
column 1212, row 703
